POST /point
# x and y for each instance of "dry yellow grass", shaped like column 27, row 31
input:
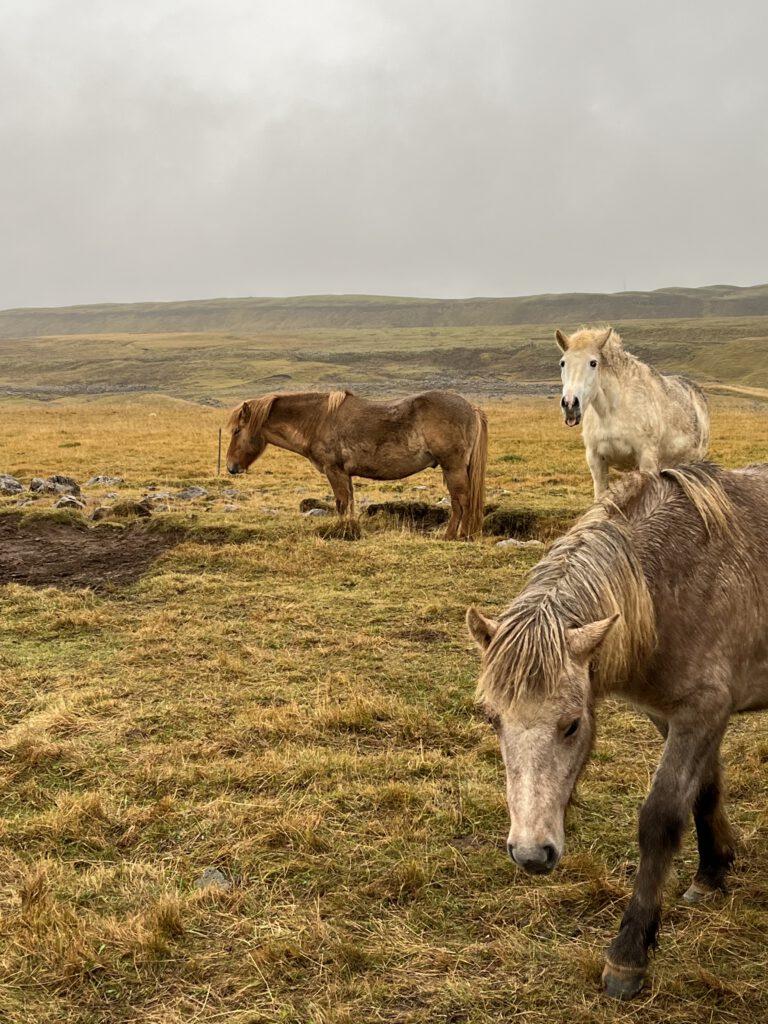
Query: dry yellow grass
column 297, row 713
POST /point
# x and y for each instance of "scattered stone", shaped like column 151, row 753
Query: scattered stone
column 192, row 493
column 104, row 481
column 419, row 487
column 25, row 501
column 70, row 501
column 512, row 542
column 112, row 495
column 317, row 512
column 157, row 496
column 231, row 508
column 231, row 492
column 269, row 512
column 213, row 878
column 307, row 504
column 65, row 481
column 444, row 502
column 56, row 484
column 10, row 485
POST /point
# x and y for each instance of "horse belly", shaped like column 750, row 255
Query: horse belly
column 386, row 464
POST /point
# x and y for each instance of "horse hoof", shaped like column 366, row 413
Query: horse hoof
column 698, row 893
column 622, row 982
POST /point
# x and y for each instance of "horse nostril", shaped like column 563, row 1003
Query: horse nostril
column 551, row 853
column 562, row 401
column 575, row 401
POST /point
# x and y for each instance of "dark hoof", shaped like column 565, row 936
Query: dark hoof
column 622, row 982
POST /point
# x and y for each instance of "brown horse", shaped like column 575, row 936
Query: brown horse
column 658, row 594
column 345, row 436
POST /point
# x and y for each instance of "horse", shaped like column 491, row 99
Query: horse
column 659, row 595
column 634, row 417
column 344, row 436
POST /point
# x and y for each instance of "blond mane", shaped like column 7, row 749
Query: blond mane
column 591, row 573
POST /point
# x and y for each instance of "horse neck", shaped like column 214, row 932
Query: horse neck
column 290, row 423
column 610, row 393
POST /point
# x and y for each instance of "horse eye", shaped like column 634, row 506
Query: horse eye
column 573, row 728
column 593, row 363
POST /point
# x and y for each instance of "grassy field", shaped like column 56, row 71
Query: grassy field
column 492, row 362
column 297, row 713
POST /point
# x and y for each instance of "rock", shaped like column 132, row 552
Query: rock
column 307, row 504
column 317, row 512
column 231, row 492
column 69, row 482
column 70, row 501
column 56, row 484
column 10, row 485
column 514, row 543
column 213, row 878
column 419, row 487
column 104, row 481
column 230, row 508
column 157, row 496
column 192, row 493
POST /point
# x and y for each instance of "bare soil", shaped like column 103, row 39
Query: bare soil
column 47, row 552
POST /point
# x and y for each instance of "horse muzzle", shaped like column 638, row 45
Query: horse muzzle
column 234, row 470
column 536, row 860
column 571, row 411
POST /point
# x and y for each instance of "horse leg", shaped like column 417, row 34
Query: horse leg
column 598, row 467
column 457, row 482
column 648, row 462
column 713, row 831
column 341, row 485
column 714, row 838
column 686, row 761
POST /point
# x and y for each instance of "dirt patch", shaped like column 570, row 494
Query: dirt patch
column 415, row 514
column 525, row 524
column 45, row 551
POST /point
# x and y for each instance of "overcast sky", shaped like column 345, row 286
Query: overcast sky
column 164, row 149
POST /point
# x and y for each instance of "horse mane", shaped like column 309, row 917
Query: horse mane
column 257, row 410
column 335, row 398
column 592, row 572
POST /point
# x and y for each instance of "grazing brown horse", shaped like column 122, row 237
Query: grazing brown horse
column 659, row 594
column 345, row 436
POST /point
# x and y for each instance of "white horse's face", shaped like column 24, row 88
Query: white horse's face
column 544, row 745
column 545, row 742
column 580, row 374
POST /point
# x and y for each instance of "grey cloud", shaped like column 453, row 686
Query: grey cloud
column 181, row 148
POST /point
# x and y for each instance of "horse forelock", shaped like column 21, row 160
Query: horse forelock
column 590, row 574
column 587, row 337
column 258, row 410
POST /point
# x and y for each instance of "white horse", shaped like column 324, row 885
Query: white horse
column 634, row 418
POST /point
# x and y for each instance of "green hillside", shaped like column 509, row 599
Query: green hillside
column 362, row 311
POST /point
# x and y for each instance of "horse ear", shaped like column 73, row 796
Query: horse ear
column 245, row 413
column 481, row 629
column 585, row 640
column 561, row 339
column 601, row 341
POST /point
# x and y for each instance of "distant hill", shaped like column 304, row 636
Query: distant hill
column 246, row 315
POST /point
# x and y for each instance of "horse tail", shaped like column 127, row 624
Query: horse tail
column 478, row 460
